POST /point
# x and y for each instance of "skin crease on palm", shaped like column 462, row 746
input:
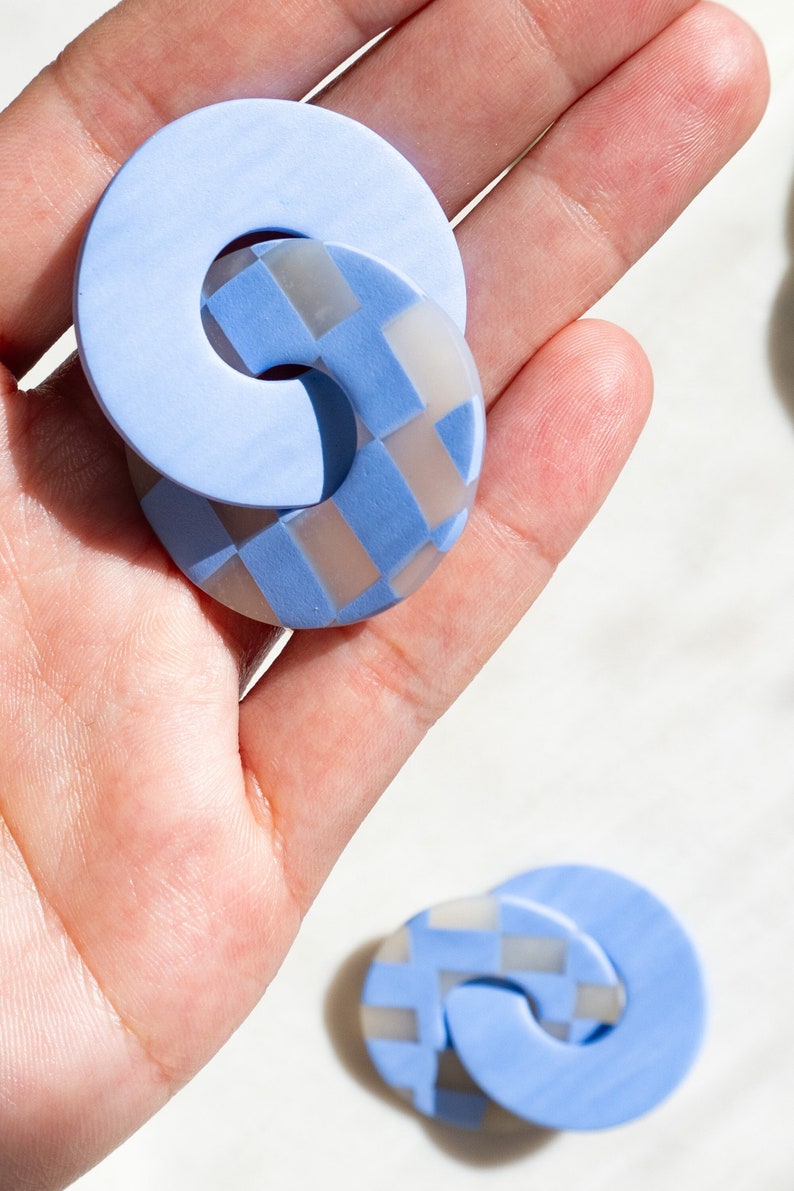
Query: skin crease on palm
column 160, row 839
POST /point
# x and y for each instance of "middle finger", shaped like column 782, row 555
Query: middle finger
column 464, row 87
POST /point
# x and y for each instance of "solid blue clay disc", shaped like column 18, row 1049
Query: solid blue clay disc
column 213, row 176
column 622, row 1073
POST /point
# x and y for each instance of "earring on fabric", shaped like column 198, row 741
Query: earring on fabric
column 569, row 997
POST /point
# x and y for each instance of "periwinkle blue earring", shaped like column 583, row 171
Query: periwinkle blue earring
column 328, row 496
column 569, row 997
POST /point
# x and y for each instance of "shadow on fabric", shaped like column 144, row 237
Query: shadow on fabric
column 781, row 327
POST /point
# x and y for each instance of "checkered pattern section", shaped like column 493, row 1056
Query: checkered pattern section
column 570, row 983
column 419, row 427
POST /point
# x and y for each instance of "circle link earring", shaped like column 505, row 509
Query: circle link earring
column 328, row 496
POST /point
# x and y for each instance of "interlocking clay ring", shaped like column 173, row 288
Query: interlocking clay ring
column 295, row 501
column 456, row 1006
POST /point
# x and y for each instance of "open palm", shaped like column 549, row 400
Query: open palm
column 160, row 839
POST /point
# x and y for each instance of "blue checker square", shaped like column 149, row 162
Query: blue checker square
column 254, row 314
column 376, row 598
column 357, row 351
column 187, row 526
column 383, row 294
column 381, row 509
column 286, row 578
column 409, row 986
column 456, row 950
column 410, row 1066
column 447, row 533
column 462, row 432
column 404, row 985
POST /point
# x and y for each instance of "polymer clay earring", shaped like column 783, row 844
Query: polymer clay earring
column 329, row 494
column 570, row 997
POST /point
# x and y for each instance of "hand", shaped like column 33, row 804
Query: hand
column 160, row 840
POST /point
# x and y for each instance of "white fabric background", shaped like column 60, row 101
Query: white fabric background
column 640, row 717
